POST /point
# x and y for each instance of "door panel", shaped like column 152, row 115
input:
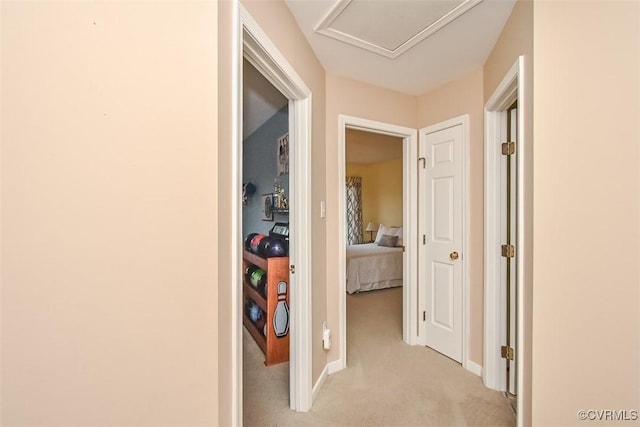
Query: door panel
column 441, row 224
column 443, row 292
column 442, row 197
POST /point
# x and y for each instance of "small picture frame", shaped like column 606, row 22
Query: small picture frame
column 266, row 207
column 283, row 155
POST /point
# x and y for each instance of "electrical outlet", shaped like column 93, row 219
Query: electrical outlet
column 326, row 339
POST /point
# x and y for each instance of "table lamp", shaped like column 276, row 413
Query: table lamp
column 371, row 227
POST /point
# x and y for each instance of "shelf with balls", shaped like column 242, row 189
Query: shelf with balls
column 265, row 292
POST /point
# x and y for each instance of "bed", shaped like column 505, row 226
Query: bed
column 370, row 266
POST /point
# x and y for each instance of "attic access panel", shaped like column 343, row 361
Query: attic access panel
column 389, row 28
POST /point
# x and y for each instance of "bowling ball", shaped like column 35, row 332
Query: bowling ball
column 247, row 240
column 255, row 312
column 258, row 279
column 263, row 246
column 255, row 243
column 276, row 248
column 249, row 271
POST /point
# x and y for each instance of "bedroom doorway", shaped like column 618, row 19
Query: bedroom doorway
column 251, row 43
column 408, row 137
column 265, row 176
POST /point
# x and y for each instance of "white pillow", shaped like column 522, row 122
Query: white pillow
column 382, row 230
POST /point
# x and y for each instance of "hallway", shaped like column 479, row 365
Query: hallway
column 386, row 383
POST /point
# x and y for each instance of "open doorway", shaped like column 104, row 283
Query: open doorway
column 265, row 225
column 408, row 139
column 251, row 43
column 413, row 292
column 374, row 236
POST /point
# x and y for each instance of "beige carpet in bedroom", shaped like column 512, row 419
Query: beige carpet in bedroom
column 386, row 382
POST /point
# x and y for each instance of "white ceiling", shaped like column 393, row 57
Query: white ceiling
column 410, row 46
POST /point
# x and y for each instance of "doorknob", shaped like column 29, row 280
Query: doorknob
column 454, row 255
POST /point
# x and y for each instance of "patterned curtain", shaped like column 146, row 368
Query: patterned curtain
column 354, row 210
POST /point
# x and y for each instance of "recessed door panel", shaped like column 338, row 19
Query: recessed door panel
column 443, row 292
column 442, row 205
column 442, row 153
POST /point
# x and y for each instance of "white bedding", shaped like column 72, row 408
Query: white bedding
column 370, row 266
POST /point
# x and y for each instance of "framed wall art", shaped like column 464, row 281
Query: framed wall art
column 283, row 155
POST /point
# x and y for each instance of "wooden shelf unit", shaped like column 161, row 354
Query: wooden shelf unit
column 275, row 349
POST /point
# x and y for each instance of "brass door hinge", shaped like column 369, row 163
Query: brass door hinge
column 507, row 352
column 508, row 148
column 424, row 316
column 508, row 251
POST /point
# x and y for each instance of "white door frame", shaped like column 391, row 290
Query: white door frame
column 251, row 42
column 409, row 290
column 464, row 259
column 509, row 89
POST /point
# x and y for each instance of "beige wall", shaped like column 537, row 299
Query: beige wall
column 381, row 192
column 278, row 23
column 517, row 39
column 110, row 185
column 464, row 96
column 225, row 174
column 586, row 292
column 109, row 214
column 387, row 181
column 361, row 100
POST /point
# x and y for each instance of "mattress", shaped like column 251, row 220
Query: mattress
column 370, row 267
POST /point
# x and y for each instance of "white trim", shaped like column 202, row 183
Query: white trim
column 318, row 385
column 464, row 121
column 504, row 95
column 474, row 368
column 521, row 236
column 334, row 366
column 409, row 298
column 250, row 41
column 509, row 89
column 300, row 376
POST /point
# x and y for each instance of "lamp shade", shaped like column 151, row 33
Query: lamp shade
column 372, row 226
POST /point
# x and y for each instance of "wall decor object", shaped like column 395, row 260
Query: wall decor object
column 283, row 155
column 267, row 207
column 248, row 190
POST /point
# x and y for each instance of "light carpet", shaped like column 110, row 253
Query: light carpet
column 386, row 382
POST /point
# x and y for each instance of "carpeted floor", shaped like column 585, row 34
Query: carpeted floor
column 386, row 383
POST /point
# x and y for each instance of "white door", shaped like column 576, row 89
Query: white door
column 440, row 263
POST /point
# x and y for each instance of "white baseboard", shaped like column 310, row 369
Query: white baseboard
column 330, row 368
column 474, row 368
column 335, row 366
column 318, row 385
